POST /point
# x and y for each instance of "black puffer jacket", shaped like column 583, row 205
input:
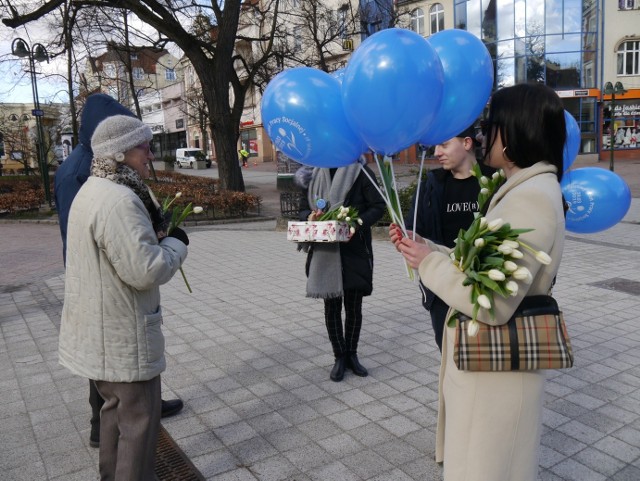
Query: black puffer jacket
column 357, row 254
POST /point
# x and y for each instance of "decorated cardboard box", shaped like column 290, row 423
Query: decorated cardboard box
column 318, row 231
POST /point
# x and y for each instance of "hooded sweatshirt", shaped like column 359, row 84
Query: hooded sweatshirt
column 75, row 170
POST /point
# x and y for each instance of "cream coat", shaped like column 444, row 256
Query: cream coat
column 111, row 318
column 489, row 424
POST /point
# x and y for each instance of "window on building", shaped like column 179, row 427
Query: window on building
column 179, row 123
column 134, row 56
column 436, row 16
column 417, row 21
column 109, row 70
column 297, row 39
column 342, row 21
column 628, row 4
column 629, row 58
column 169, row 74
column 294, row 3
column 138, row 73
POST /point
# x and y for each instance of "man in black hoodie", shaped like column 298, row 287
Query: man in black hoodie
column 70, row 176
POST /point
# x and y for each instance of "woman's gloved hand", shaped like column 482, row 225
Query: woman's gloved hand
column 179, row 234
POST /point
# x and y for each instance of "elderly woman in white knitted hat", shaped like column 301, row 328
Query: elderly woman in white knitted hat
column 111, row 319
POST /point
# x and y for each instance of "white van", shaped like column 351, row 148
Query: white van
column 187, row 157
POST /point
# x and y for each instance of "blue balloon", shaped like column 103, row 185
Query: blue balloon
column 338, row 74
column 303, row 115
column 468, row 80
column 572, row 144
column 391, row 89
column 597, row 198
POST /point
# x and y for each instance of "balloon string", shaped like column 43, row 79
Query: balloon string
column 415, row 207
column 382, row 193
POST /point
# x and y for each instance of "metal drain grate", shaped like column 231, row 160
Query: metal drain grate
column 171, row 463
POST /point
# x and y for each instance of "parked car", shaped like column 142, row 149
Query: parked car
column 187, row 157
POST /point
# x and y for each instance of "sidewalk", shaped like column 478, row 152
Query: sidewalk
column 248, row 354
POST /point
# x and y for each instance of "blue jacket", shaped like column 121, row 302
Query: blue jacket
column 75, row 170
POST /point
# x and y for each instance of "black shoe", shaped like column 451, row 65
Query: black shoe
column 171, row 407
column 357, row 368
column 337, row 373
column 94, row 437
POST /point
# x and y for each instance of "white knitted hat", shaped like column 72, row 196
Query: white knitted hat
column 118, row 134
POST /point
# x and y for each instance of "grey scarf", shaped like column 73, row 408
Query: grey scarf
column 325, row 267
column 124, row 175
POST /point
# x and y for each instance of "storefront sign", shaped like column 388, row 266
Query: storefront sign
column 627, row 108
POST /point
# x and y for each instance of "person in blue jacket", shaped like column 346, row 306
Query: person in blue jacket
column 70, row 176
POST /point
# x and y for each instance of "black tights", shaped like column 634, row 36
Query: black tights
column 347, row 342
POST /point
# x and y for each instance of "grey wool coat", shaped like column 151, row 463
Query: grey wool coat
column 489, row 423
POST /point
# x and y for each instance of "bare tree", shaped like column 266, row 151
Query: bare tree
column 213, row 59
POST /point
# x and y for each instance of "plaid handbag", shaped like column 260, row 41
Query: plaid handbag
column 534, row 338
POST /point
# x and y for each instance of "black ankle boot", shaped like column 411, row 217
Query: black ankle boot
column 337, row 373
column 353, row 364
column 94, row 436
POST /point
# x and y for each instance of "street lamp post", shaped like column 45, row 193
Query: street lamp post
column 613, row 90
column 21, row 49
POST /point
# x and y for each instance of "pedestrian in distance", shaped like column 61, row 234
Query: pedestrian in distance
column 244, row 155
column 447, row 203
column 70, row 176
column 111, row 327
column 490, row 423
column 341, row 272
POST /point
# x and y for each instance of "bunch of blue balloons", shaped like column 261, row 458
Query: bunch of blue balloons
column 397, row 89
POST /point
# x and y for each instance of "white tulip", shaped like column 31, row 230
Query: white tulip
column 484, row 191
column 505, row 249
column 178, row 195
column 484, row 180
column 484, row 301
column 197, row 210
column 510, row 266
column 359, row 221
column 347, row 219
column 495, row 175
column 516, row 254
column 512, row 287
column 352, row 230
column 496, row 275
column 495, row 224
column 543, row 258
column 483, row 222
column 479, row 242
column 472, row 328
column 510, row 243
column 523, row 274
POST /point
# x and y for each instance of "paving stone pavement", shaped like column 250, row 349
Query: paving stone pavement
column 248, row 354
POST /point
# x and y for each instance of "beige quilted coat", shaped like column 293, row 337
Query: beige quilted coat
column 489, row 424
column 111, row 326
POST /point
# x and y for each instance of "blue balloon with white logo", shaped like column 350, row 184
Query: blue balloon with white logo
column 572, row 144
column 303, row 115
column 597, row 198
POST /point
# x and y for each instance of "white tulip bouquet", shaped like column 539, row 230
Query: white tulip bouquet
column 487, row 252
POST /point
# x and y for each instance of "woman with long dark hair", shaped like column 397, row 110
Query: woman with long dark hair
column 489, row 423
